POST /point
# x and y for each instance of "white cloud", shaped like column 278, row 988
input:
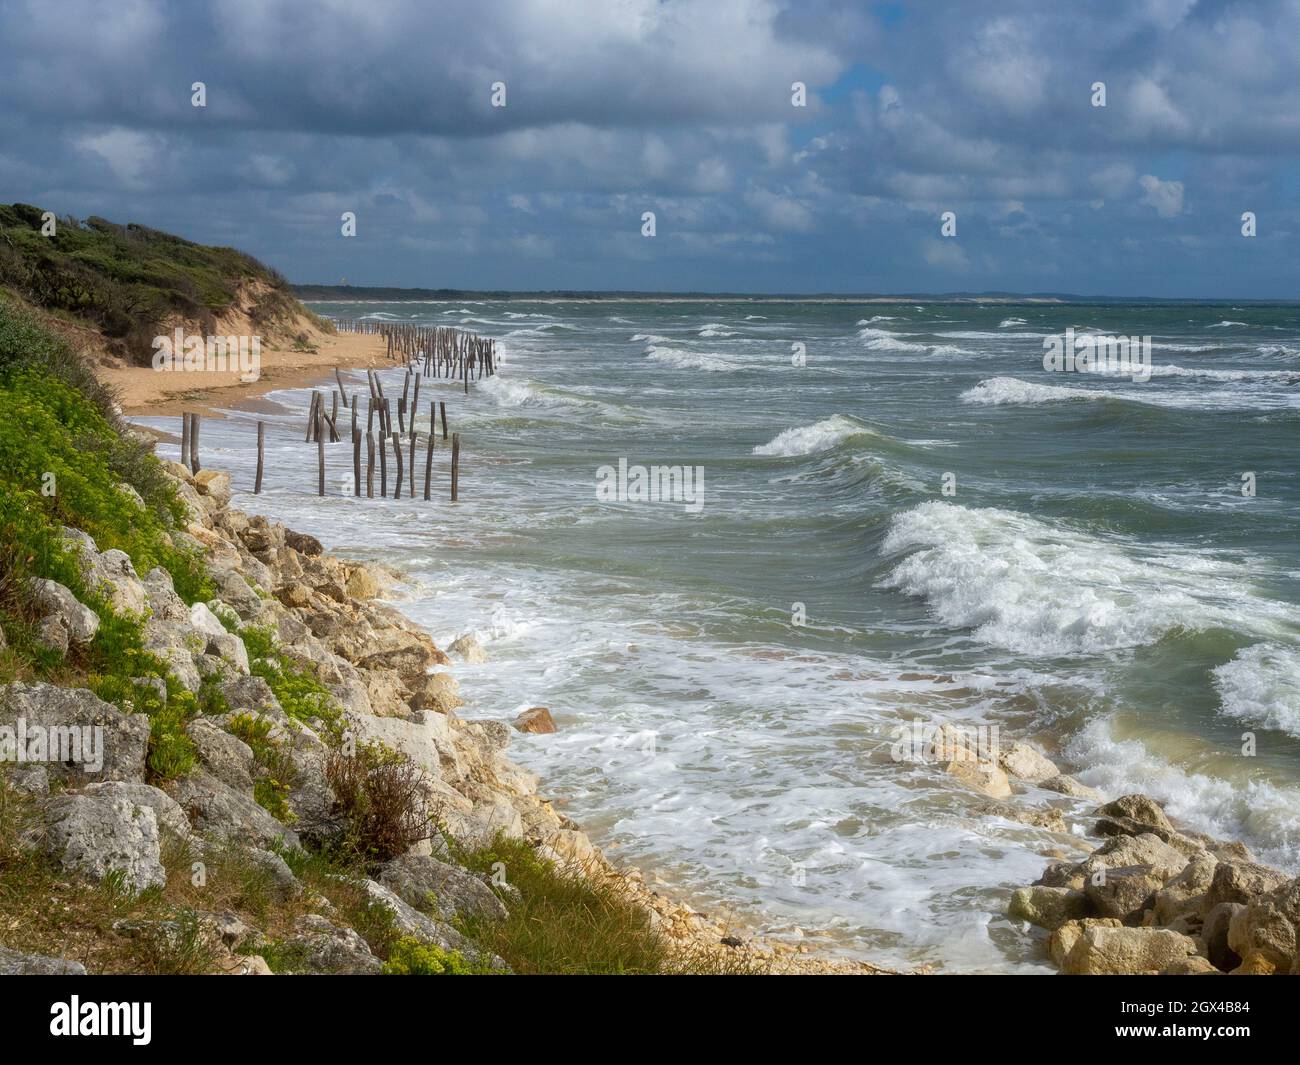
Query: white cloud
column 1165, row 196
column 129, row 154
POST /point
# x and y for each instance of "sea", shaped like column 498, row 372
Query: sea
column 897, row 518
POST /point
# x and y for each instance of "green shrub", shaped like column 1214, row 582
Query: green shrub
column 410, row 957
column 562, row 922
column 63, row 459
column 381, row 798
column 128, row 280
column 273, row 770
column 301, row 696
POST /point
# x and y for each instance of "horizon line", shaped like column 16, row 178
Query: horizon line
column 420, row 294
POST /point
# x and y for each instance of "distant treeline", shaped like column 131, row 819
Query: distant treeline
column 384, row 294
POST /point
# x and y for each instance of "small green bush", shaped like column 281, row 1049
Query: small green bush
column 301, row 696
column 274, row 774
column 410, row 957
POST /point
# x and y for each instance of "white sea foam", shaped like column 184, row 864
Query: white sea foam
column 810, row 439
column 1226, row 324
column 1008, row 322
column 1261, row 686
column 1036, row 588
column 713, row 362
column 716, row 330
column 1212, row 374
column 1002, row 391
column 1263, row 814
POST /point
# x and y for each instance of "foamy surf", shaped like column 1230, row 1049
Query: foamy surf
column 1261, row 686
column 810, row 439
column 1027, row 586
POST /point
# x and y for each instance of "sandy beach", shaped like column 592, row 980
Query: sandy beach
column 144, row 390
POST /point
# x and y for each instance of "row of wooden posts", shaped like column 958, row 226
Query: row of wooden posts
column 428, row 351
column 432, row 350
column 322, row 427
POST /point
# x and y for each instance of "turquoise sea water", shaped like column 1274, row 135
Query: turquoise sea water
column 1096, row 582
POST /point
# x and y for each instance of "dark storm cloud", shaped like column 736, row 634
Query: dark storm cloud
column 383, row 108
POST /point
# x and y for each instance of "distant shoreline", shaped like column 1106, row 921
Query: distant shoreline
column 388, row 294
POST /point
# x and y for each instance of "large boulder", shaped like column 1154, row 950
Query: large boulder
column 426, row 738
column 226, row 757
column 1067, row 785
column 1107, row 951
column 439, row 692
column 1266, row 931
column 76, row 717
column 1124, row 893
column 328, row 949
column 361, row 583
column 469, row 648
column 1242, row 882
column 13, row 963
column 536, row 719
column 983, row 777
column 408, row 921
column 425, row 882
column 1145, row 849
column 96, row 835
column 57, row 602
column 164, row 604
column 1062, row 941
column 215, row 484
column 113, row 574
column 251, row 694
column 1184, row 896
column 215, row 808
column 1023, row 761
column 167, row 811
column 1048, row 907
column 1136, row 815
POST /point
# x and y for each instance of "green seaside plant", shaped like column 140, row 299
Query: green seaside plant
column 65, row 460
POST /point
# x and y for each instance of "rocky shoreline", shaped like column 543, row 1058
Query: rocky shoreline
column 1149, row 897
column 393, row 688
column 1128, row 891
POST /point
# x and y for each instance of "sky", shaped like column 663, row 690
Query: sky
column 686, row 109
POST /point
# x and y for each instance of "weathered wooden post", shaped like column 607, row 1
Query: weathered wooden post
column 370, row 465
column 320, row 448
column 397, row 448
column 414, row 437
column 382, row 447
column 261, row 443
column 185, row 437
column 194, row 443
column 442, row 410
column 428, row 462
column 356, row 455
column 455, row 466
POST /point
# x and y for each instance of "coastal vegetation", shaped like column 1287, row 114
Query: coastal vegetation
column 237, row 823
column 130, row 282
